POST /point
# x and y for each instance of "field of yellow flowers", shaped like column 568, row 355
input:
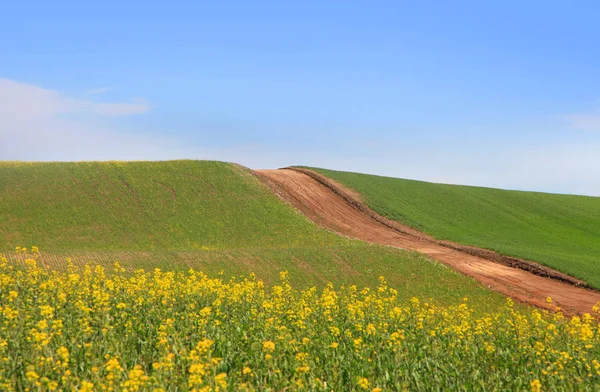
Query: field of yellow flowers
column 95, row 330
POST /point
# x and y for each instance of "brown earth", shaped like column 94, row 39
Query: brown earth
column 331, row 206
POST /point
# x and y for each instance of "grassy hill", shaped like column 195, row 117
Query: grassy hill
column 212, row 216
column 145, row 205
column 561, row 231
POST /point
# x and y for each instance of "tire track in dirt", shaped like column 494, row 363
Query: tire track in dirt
column 336, row 210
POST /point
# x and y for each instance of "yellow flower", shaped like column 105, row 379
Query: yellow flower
column 113, row 365
column 536, row 385
column 246, row 371
column 197, row 368
column 46, row 311
column 268, row 346
column 86, row 386
column 63, row 353
column 363, row 382
column 301, row 356
column 221, row 380
column 303, row 369
column 334, row 345
column 32, row 375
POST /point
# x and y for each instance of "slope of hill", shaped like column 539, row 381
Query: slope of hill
column 145, row 205
column 333, row 207
column 560, row 231
column 211, row 216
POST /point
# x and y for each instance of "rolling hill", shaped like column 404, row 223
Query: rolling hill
column 560, row 231
column 211, row 216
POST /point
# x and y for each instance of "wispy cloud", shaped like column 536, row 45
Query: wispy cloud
column 33, row 126
column 585, row 121
column 121, row 109
column 20, row 102
column 99, row 90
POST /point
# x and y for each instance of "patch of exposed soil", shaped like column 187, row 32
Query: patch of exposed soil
column 331, row 206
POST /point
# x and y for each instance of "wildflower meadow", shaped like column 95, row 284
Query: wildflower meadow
column 89, row 329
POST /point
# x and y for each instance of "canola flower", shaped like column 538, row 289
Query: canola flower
column 93, row 330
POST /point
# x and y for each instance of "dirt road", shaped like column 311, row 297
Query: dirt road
column 347, row 216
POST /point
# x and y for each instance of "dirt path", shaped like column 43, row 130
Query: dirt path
column 341, row 213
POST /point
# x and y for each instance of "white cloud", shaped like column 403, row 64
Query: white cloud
column 20, row 102
column 33, row 126
column 99, row 90
column 121, row 109
column 585, row 121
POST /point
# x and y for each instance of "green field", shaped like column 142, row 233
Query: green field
column 144, row 206
column 561, row 231
column 211, row 216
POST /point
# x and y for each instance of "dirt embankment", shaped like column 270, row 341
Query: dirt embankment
column 331, row 206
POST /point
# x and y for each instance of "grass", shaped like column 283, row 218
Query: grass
column 145, row 206
column 164, row 331
column 560, row 231
column 210, row 216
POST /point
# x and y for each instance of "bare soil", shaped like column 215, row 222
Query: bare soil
column 331, row 206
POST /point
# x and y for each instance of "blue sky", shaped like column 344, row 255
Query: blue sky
column 494, row 93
